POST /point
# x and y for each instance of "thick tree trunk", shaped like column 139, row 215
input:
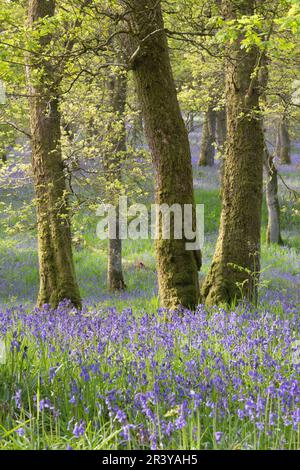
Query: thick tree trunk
column 118, row 90
column 56, row 268
column 207, row 151
column 235, row 269
column 273, row 229
column 283, row 142
column 168, row 141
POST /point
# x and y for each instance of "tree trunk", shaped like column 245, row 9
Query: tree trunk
column 221, row 129
column 135, row 137
column 221, row 134
column 168, row 141
column 56, row 268
column 207, row 151
column 273, row 229
column 284, row 142
column 235, row 269
column 118, row 90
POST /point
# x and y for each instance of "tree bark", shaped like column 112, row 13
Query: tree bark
column 56, row 267
column 207, row 151
column 117, row 91
column 234, row 273
column 283, row 142
column 168, row 141
column 273, row 229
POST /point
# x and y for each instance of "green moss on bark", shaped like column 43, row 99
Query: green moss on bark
column 168, row 141
column 235, row 269
column 56, row 267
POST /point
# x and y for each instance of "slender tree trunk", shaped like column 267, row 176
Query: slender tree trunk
column 221, row 129
column 284, row 142
column 207, row 151
column 168, row 141
column 115, row 278
column 221, row 134
column 136, row 135
column 235, row 269
column 56, row 268
column 273, row 229
column 118, row 90
column 137, row 139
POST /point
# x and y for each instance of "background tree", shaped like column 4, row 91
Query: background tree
column 283, row 144
column 117, row 85
column 208, row 143
column 273, row 230
column 274, row 226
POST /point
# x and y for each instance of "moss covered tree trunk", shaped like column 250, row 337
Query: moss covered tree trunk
column 168, row 141
column 56, row 267
column 283, row 142
column 207, row 151
column 236, row 264
column 117, row 91
column 273, row 229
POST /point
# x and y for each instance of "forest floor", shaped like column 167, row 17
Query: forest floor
column 19, row 264
column 124, row 374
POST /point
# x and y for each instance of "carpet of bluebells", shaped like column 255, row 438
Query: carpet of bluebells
column 115, row 379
